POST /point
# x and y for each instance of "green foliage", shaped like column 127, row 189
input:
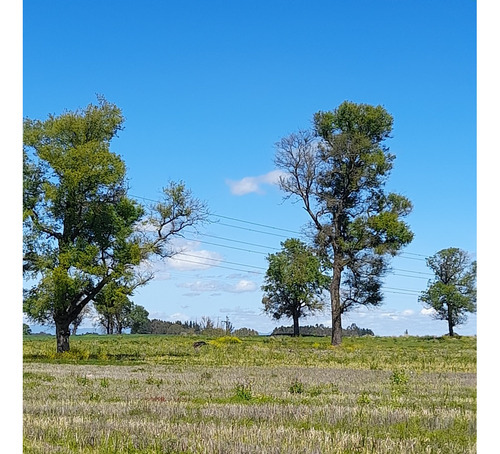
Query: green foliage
column 114, row 307
column 339, row 171
column 245, row 332
column 26, row 330
column 83, row 381
column 399, row 377
column 80, row 229
column 320, row 330
column 174, row 328
column 399, row 381
column 294, row 282
column 297, row 387
column 452, row 294
column 364, row 398
column 138, row 320
column 154, row 381
column 243, row 392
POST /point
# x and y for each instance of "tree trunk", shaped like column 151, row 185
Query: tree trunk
column 450, row 322
column 335, row 302
column 295, row 324
column 62, row 335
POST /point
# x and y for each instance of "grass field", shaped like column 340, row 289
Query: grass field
column 158, row 394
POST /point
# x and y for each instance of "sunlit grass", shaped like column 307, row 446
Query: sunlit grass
column 375, row 353
column 260, row 395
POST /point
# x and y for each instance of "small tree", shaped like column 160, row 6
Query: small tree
column 26, row 329
column 452, row 293
column 139, row 322
column 294, row 283
column 113, row 308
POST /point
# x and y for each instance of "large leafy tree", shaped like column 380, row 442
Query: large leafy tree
column 452, row 292
column 339, row 170
column 81, row 230
column 294, row 283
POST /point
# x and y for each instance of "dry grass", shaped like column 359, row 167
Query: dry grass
column 242, row 408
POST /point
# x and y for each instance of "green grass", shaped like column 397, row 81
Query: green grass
column 158, row 394
column 375, row 353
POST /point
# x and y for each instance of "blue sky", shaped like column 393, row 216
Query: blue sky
column 208, row 88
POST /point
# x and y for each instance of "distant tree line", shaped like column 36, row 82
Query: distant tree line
column 137, row 320
column 206, row 326
column 321, row 330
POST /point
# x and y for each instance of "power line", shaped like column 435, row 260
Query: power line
column 405, row 275
column 229, row 247
column 234, row 219
column 252, row 230
column 257, row 224
column 405, row 255
column 216, row 260
column 220, row 266
column 234, row 241
column 416, row 272
column 408, row 291
column 396, row 290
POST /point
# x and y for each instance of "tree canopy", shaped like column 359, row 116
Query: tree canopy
column 81, row 230
column 339, row 170
column 452, row 292
column 294, row 283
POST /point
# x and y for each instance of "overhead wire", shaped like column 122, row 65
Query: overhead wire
column 406, row 255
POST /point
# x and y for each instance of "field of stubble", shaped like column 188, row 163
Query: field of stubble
column 158, row 394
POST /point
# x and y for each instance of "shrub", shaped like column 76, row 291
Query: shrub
column 399, row 382
column 399, row 378
column 154, row 381
column 297, row 387
column 364, row 398
column 243, row 391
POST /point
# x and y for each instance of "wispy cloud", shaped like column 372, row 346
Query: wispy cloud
column 198, row 286
column 170, row 317
column 248, row 185
column 428, row 311
column 187, row 257
column 194, row 260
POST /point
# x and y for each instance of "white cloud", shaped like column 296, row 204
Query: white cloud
column 170, row 317
column 215, row 286
column 244, row 285
column 187, row 257
column 201, row 286
column 191, row 260
column 248, row 185
column 428, row 311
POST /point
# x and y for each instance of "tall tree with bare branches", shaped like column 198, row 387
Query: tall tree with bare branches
column 339, row 170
